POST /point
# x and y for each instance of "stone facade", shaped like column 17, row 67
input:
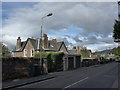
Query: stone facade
column 28, row 50
column 18, row 45
column 63, row 49
column 45, row 41
column 18, row 54
column 31, row 46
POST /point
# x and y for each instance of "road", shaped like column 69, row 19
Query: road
column 98, row 76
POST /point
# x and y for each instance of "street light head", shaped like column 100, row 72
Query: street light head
column 50, row 14
column 118, row 2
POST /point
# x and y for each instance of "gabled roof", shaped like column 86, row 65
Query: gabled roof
column 52, row 45
column 34, row 43
column 59, row 44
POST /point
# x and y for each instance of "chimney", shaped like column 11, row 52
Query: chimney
column 78, row 49
column 45, row 41
column 18, row 45
column 54, row 40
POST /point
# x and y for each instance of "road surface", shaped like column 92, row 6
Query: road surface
column 97, row 76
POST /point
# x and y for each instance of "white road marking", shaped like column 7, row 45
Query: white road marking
column 76, row 82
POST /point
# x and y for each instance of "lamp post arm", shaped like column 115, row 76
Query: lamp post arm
column 40, row 45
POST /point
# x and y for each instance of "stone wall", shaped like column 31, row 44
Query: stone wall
column 16, row 68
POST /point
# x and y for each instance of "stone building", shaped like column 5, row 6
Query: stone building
column 31, row 46
column 71, row 61
column 77, row 50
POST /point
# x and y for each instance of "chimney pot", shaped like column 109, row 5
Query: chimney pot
column 55, row 40
column 18, row 45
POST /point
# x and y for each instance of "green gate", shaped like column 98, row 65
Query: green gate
column 78, row 61
column 70, row 63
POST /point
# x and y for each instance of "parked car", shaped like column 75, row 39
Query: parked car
column 117, row 60
column 86, row 62
column 102, row 61
column 113, row 58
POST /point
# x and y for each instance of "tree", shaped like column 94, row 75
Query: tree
column 97, row 54
column 116, row 51
column 116, row 31
column 85, row 53
column 74, row 47
column 5, row 51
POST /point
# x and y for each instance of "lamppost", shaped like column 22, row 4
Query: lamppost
column 41, row 62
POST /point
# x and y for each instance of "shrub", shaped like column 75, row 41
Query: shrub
column 57, row 58
column 43, row 54
column 54, row 59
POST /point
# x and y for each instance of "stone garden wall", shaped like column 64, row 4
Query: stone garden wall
column 15, row 68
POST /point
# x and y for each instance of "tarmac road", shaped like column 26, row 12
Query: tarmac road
column 97, row 76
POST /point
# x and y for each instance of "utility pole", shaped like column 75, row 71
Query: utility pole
column 40, row 44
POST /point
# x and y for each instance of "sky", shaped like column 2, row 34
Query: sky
column 86, row 24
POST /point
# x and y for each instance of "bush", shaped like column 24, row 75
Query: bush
column 116, row 51
column 43, row 54
column 57, row 59
column 54, row 59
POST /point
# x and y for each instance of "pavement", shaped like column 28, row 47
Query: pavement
column 97, row 76
column 25, row 81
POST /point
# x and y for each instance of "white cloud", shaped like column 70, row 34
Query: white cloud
column 102, row 47
column 59, row 0
column 93, row 18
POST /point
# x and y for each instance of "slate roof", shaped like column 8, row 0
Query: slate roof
column 34, row 43
column 52, row 45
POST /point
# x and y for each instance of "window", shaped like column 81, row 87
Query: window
column 32, row 52
column 25, row 53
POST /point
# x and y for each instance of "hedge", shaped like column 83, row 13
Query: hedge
column 55, row 60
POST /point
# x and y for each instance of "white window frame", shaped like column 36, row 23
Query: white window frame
column 25, row 53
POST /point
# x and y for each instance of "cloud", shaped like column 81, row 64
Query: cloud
column 102, row 47
column 87, row 19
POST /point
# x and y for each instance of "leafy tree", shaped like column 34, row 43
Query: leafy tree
column 5, row 51
column 116, row 51
column 106, row 55
column 116, row 31
column 84, row 53
column 1, row 52
column 116, row 36
column 97, row 53
column 74, row 47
